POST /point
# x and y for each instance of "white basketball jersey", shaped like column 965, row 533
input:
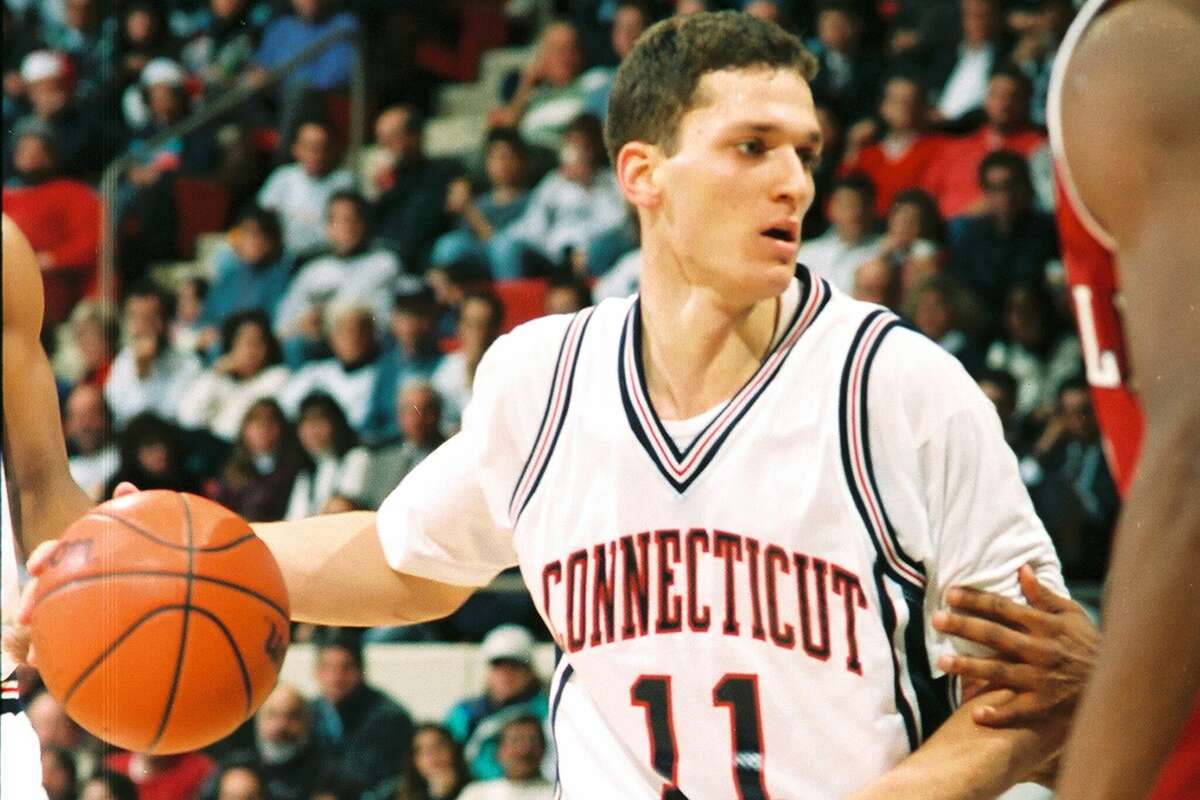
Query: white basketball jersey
column 10, row 587
column 743, row 613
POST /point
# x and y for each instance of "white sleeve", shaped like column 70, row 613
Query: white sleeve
column 448, row 519
column 965, row 512
column 268, row 195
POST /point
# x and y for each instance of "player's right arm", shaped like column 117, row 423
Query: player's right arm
column 46, row 499
column 1131, row 125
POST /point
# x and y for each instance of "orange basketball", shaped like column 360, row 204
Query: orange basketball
column 161, row 622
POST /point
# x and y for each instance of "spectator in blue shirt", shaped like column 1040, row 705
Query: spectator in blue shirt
column 288, row 35
column 251, row 272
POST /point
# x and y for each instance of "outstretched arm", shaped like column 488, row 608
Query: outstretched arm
column 45, row 498
column 1132, row 127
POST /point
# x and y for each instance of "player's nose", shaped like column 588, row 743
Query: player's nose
column 793, row 181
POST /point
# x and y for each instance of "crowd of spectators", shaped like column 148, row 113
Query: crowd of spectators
column 328, row 341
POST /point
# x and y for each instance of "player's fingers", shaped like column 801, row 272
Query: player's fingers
column 994, row 672
column 997, row 636
column 1023, row 708
column 1039, row 595
column 994, row 607
column 41, row 556
column 124, row 488
column 25, row 613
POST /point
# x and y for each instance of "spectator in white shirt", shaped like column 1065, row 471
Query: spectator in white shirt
column 87, row 425
column 339, row 465
column 350, row 375
column 148, row 374
column 566, row 210
column 851, row 239
column 966, row 85
column 249, row 370
column 353, row 272
column 522, row 747
column 480, row 319
column 300, row 192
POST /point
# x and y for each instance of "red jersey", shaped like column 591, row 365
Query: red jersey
column 1091, row 264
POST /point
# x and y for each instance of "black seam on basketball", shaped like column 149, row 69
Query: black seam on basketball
column 183, row 632
column 237, row 654
column 147, row 573
column 112, row 647
column 133, row 526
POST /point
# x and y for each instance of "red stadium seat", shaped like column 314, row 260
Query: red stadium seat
column 523, row 300
column 201, row 206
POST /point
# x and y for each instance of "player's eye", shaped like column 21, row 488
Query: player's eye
column 809, row 158
column 751, row 147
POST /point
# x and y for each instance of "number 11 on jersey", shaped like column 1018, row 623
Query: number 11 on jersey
column 739, row 694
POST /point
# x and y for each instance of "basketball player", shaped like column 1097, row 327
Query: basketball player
column 38, row 496
column 736, row 498
column 1124, row 120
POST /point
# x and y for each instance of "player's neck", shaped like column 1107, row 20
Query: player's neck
column 697, row 351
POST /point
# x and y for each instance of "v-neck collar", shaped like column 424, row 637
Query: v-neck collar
column 681, row 467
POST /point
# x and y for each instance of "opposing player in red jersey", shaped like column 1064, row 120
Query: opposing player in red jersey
column 1125, row 124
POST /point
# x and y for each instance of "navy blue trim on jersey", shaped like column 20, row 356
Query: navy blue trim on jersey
column 536, row 460
column 649, row 429
column 556, row 697
column 892, row 563
column 11, row 705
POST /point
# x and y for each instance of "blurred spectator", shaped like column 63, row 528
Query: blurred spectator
column 630, row 20
column 187, row 329
column 366, row 732
column 1001, row 388
column 511, row 691
column 60, row 217
column 769, row 10
column 570, row 206
column 336, row 463
column 86, row 344
column 1040, row 28
column 419, row 412
column 58, row 773
column 521, row 750
column 480, row 217
column 825, row 173
column 623, row 279
column 51, row 724
column 1011, row 242
column 241, row 780
column 1036, row 348
column 88, row 35
column 851, row 238
column 87, row 424
column 850, row 74
column 410, row 212
column 876, row 282
column 902, row 157
column 174, row 777
column 435, row 770
column 336, row 788
column 1071, row 484
column 146, row 201
column 251, row 271
column 300, row 192
column 226, row 38
column 551, row 91
column 962, row 73
column 566, row 295
column 915, row 237
column 152, row 457
column 353, row 272
column 288, row 35
column 249, row 369
column 50, row 85
column 412, row 354
column 350, row 375
column 479, row 323
column 954, row 177
column 938, row 308
column 143, row 36
column 148, row 373
column 257, row 481
column 289, row 759
column 108, row 785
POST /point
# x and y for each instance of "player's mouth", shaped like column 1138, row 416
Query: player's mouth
column 785, row 236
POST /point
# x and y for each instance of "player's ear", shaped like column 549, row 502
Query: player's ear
column 636, row 173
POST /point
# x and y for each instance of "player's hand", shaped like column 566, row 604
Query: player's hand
column 17, row 638
column 1045, row 651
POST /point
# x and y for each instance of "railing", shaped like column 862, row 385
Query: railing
column 206, row 114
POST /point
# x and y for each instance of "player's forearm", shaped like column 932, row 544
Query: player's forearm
column 965, row 761
column 336, row 574
column 1146, row 681
column 48, row 507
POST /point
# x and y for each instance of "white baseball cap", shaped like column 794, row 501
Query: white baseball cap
column 42, row 64
column 508, row 643
column 162, row 70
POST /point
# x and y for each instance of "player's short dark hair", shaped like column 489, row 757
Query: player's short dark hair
column 1014, row 162
column 656, row 83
